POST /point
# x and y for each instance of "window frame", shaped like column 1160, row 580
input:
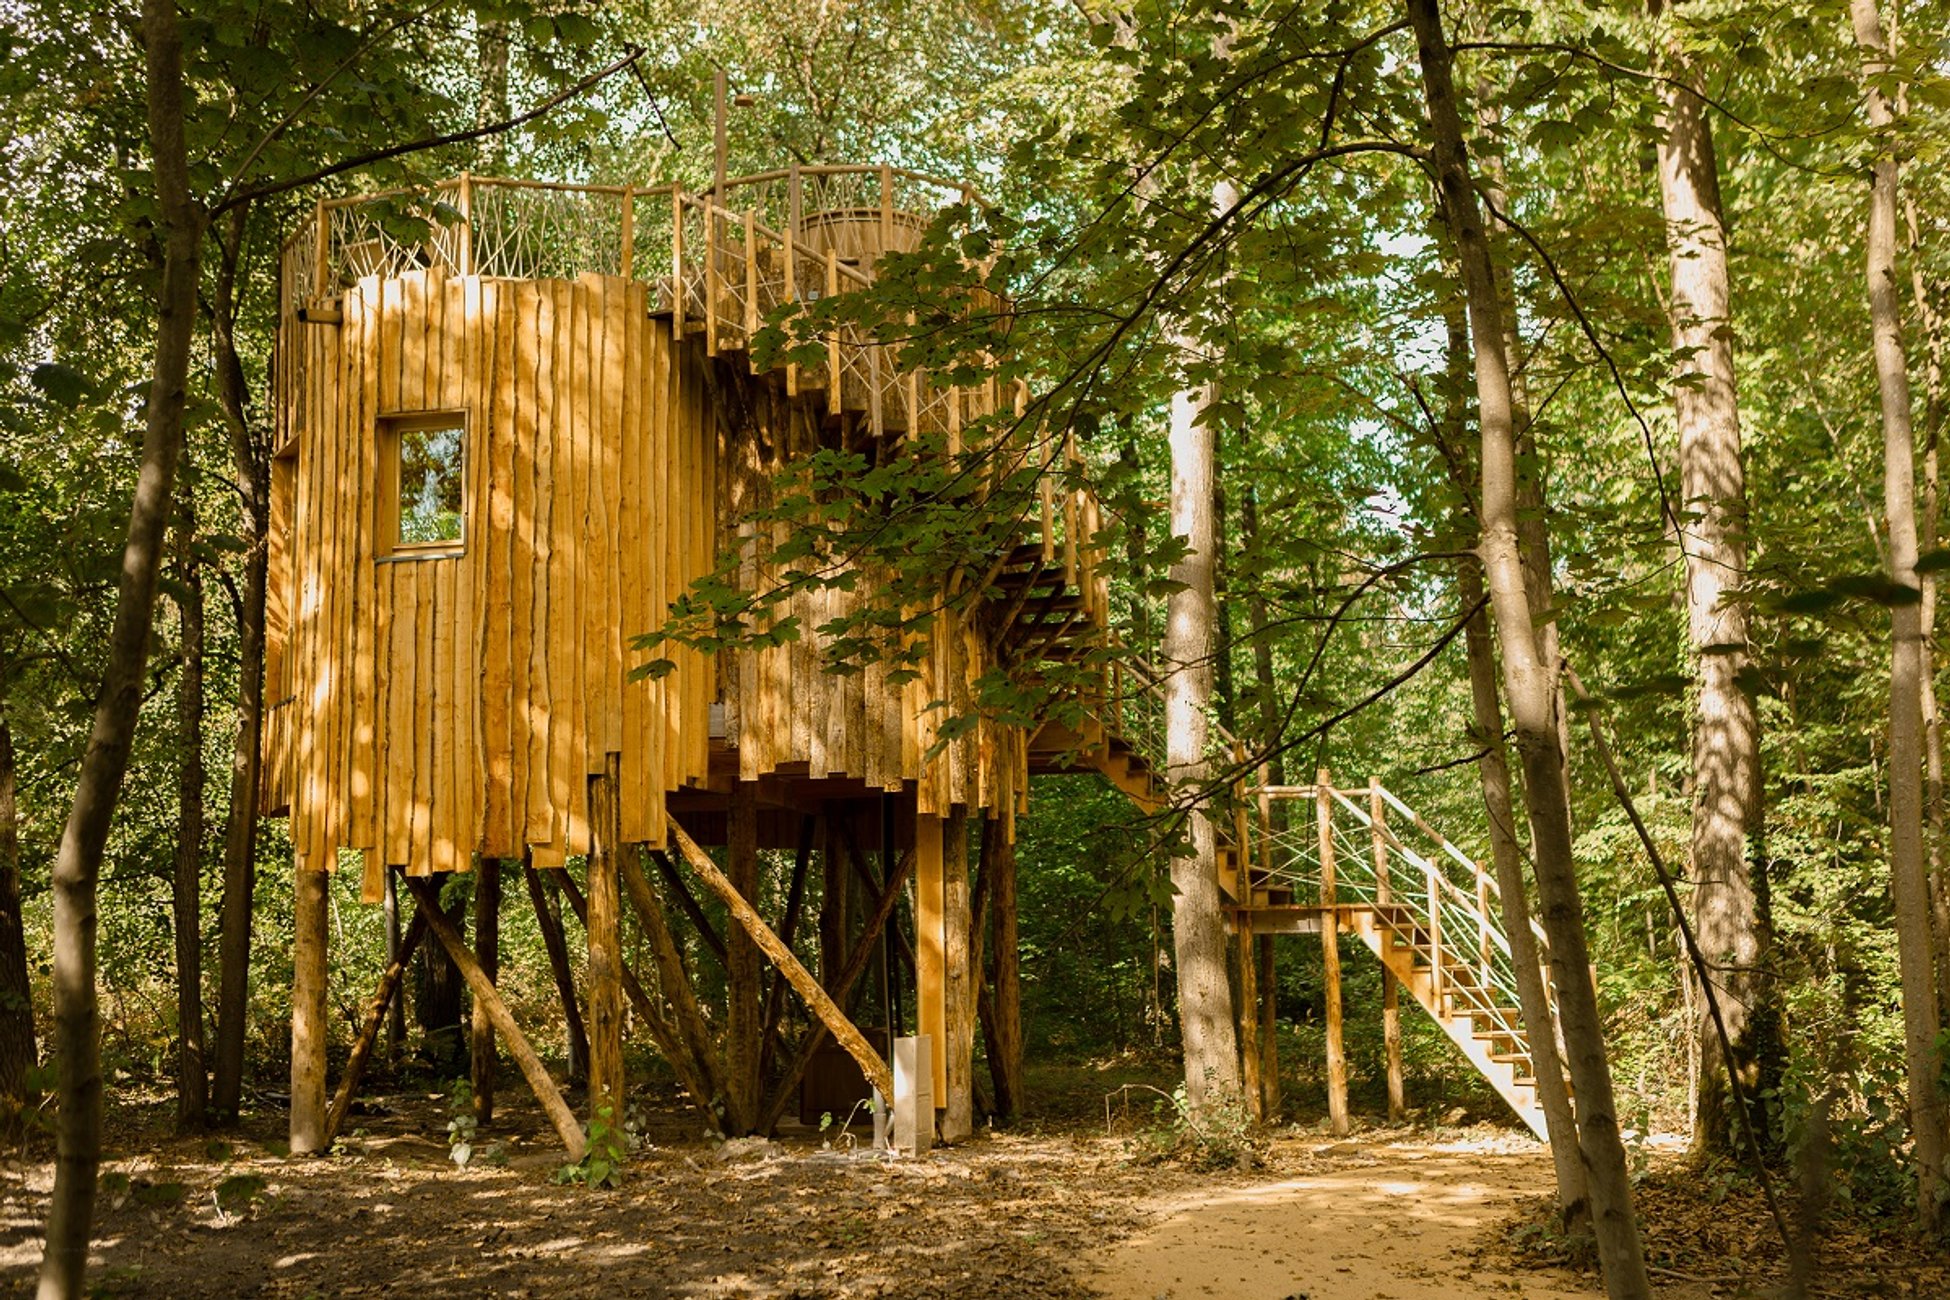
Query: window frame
column 391, row 427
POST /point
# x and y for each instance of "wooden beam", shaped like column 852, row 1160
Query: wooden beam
column 958, row 985
column 384, row 998
column 856, row 965
column 487, row 938
column 602, row 926
column 930, row 945
column 557, row 948
column 1269, row 1023
column 687, row 904
column 829, row 1013
column 743, row 1011
column 396, row 1017
column 310, row 890
column 1248, row 1014
column 427, row 895
column 1002, row 1019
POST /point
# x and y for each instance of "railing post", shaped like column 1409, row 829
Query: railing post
column 1241, row 834
column 1377, row 828
column 322, row 250
column 835, row 400
column 1265, row 825
column 1483, row 923
column 1330, row 951
column 886, row 208
column 1435, row 936
column 751, row 278
column 628, row 258
column 677, row 296
column 711, row 276
column 466, row 223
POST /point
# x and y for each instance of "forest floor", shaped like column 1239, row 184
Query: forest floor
column 1064, row 1207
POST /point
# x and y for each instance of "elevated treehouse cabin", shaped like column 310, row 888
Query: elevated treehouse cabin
column 511, row 435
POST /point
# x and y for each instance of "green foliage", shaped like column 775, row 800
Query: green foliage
column 609, row 1147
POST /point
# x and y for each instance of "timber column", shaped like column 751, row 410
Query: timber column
column 602, row 923
column 310, row 891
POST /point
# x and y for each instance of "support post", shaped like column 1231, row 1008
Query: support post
column 832, row 908
column 310, row 893
column 930, row 944
column 1005, row 1049
column 744, row 1014
column 1391, row 998
column 694, row 1034
column 958, row 984
column 1269, row 1023
column 603, row 927
column 1249, row 1058
column 1330, row 953
column 427, row 895
column 487, row 938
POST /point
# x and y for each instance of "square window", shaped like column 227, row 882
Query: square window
column 427, row 460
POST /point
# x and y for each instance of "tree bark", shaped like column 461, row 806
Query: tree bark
column 186, row 893
column 17, row 1053
column 310, row 1033
column 250, row 457
column 1914, row 937
column 1210, row 1041
column 1729, row 915
column 77, row 864
column 1528, row 683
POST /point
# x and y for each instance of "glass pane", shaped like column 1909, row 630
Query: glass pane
column 429, row 485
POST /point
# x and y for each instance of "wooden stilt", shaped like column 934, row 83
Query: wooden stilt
column 396, row 1015
column 1005, row 1039
column 930, row 946
column 1269, row 1024
column 833, row 946
column 1391, row 997
column 795, row 899
column 603, row 928
column 308, row 1024
column 674, row 979
column 1249, row 1058
column 688, row 904
column 557, row 948
column 744, row 1016
column 427, row 896
column 958, row 985
column 487, row 940
column 857, row 962
column 1330, row 950
column 829, row 1013
column 384, row 999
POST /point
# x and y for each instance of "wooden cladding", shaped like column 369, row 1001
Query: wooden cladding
column 456, row 703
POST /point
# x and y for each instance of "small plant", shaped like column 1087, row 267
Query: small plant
column 1219, row 1135
column 602, row 1160
column 462, row 1124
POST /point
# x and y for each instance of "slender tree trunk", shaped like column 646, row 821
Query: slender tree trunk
column 17, row 1055
column 1528, row 683
column 1506, row 851
column 192, row 1079
column 1729, row 913
column 77, row 863
column 1914, row 938
column 1199, row 944
column 250, row 458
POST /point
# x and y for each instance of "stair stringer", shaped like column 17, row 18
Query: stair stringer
column 1399, row 959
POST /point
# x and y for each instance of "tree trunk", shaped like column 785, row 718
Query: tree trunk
column 1914, row 938
column 395, row 953
column 1729, row 917
column 77, row 863
column 1205, row 1018
column 17, row 1055
column 1528, row 683
column 192, row 1078
column 958, row 1045
column 250, row 457
column 1004, row 1043
column 487, row 944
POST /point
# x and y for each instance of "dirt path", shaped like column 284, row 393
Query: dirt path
column 1349, row 1221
